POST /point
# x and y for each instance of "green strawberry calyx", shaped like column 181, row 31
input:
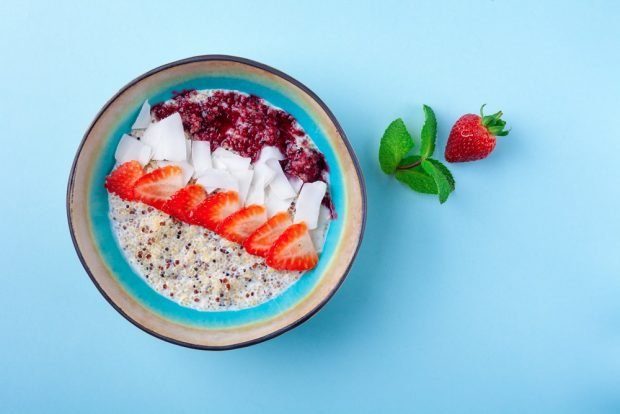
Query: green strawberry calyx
column 494, row 123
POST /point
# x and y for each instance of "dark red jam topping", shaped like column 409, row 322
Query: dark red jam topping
column 245, row 124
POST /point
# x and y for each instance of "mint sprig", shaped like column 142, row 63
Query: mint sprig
column 429, row 132
column 420, row 172
column 441, row 181
column 417, row 179
column 395, row 144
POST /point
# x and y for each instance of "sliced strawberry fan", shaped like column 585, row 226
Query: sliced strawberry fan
column 265, row 236
column 123, row 179
column 293, row 250
column 286, row 246
column 156, row 187
column 215, row 208
column 240, row 225
column 183, row 203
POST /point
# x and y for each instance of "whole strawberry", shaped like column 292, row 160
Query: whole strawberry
column 473, row 136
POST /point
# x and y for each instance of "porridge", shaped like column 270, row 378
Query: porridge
column 219, row 200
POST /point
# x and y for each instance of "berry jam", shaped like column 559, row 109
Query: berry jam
column 245, row 124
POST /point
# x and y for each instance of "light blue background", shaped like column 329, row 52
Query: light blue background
column 504, row 300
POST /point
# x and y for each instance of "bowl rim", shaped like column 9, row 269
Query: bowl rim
column 330, row 115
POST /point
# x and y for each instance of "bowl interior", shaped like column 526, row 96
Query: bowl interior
column 98, row 244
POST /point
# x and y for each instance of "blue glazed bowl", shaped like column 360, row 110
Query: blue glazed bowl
column 127, row 292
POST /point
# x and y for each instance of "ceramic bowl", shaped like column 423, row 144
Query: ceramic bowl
column 127, row 292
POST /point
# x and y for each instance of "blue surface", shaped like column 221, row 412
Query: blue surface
column 504, row 300
column 137, row 286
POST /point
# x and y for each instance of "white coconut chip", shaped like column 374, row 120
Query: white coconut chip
column 318, row 235
column 309, row 203
column 256, row 193
column 296, row 183
column 263, row 172
column 274, row 204
column 130, row 148
column 244, row 179
column 167, row 139
column 144, row 117
column 262, row 177
column 188, row 149
column 224, row 159
column 280, row 184
column 212, row 179
column 201, row 157
column 269, row 153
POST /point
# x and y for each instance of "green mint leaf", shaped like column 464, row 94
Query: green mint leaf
column 429, row 133
column 444, row 188
column 395, row 144
column 409, row 161
column 445, row 171
column 417, row 179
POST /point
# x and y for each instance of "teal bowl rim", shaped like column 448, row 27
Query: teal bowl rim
column 332, row 118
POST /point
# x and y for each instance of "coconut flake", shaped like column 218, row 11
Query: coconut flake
column 263, row 172
column 188, row 149
column 144, row 117
column 262, row 177
column 256, row 193
column 130, row 148
column 244, row 179
column 309, row 203
column 296, row 183
column 201, row 156
column 224, row 159
column 318, row 235
column 167, row 139
column 186, row 168
column 274, row 204
column 270, row 153
column 212, row 179
column 280, row 185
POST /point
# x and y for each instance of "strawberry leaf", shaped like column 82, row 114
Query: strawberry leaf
column 494, row 123
column 395, row 144
column 417, row 179
column 444, row 188
column 429, row 133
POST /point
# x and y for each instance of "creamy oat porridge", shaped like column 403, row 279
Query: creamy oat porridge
column 219, row 200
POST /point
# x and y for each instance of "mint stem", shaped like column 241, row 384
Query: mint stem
column 408, row 166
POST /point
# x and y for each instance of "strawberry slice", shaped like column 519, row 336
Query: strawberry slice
column 238, row 226
column 263, row 238
column 215, row 208
column 293, row 250
column 183, row 203
column 156, row 187
column 121, row 181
